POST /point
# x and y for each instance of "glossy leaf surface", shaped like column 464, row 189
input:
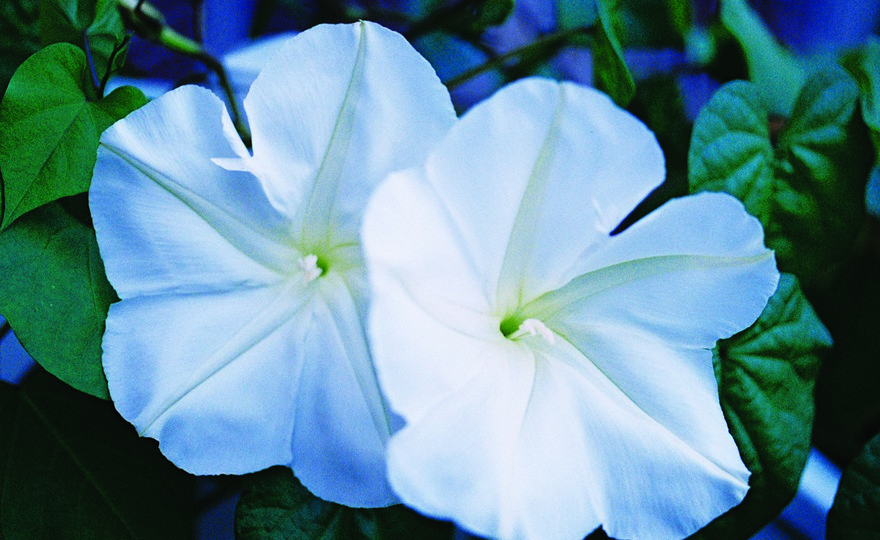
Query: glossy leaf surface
column 766, row 376
column 49, row 129
column 55, row 295
column 275, row 505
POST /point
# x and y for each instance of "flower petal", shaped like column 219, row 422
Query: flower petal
column 692, row 272
column 616, row 421
column 454, row 460
column 544, row 446
column 269, row 379
column 527, row 170
column 341, row 425
column 333, row 113
column 221, row 400
column 478, row 434
column 203, row 242
column 406, row 230
column 167, row 218
column 651, row 482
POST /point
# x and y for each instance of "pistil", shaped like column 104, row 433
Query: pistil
column 309, row 267
column 534, row 327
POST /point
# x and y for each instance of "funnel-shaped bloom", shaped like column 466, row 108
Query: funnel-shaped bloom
column 239, row 341
column 553, row 377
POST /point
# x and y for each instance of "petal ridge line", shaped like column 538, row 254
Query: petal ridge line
column 675, row 440
column 548, row 305
column 208, row 210
column 316, row 220
column 340, row 301
column 520, row 245
column 272, row 317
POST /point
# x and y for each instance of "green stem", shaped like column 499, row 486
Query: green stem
column 182, row 44
column 148, row 22
column 188, row 47
column 435, row 20
column 237, row 118
column 118, row 48
column 95, row 87
column 548, row 45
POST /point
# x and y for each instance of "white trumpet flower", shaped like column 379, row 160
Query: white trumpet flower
column 554, row 377
column 239, row 340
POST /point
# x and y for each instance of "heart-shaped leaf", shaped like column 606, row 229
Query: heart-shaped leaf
column 275, row 505
column 55, row 295
column 49, row 130
column 805, row 184
column 766, row 376
column 92, row 25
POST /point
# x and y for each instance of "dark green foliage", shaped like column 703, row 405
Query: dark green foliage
column 275, row 506
column 72, row 468
column 805, row 181
column 855, row 514
column 766, row 376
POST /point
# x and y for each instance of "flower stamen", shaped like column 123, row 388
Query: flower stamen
column 310, row 268
column 534, row 327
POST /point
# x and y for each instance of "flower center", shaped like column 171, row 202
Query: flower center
column 528, row 328
column 312, row 267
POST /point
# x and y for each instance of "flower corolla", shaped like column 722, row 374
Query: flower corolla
column 554, row 375
column 238, row 341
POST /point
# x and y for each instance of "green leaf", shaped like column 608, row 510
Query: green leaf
column 682, row 14
column 808, row 189
column 766, row 376
column 72, row 468
column 493, row 12
column 575, row 13
column 72, row 21
column 19, row 36
column 55, row 295
column 855, row 514
column 274, row 505
column 470, row 17
column 611, row 73
column 648, row 24
column 864, row 66
column 49, row 131
column 776, row 71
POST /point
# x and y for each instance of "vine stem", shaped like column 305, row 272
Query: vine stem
column 550, row 42
column 149, row 22
column 182, row 44
column 434, row 20
column 237, row 118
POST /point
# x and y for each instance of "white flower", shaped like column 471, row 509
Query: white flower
column 238, row 342
column 553, row 377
